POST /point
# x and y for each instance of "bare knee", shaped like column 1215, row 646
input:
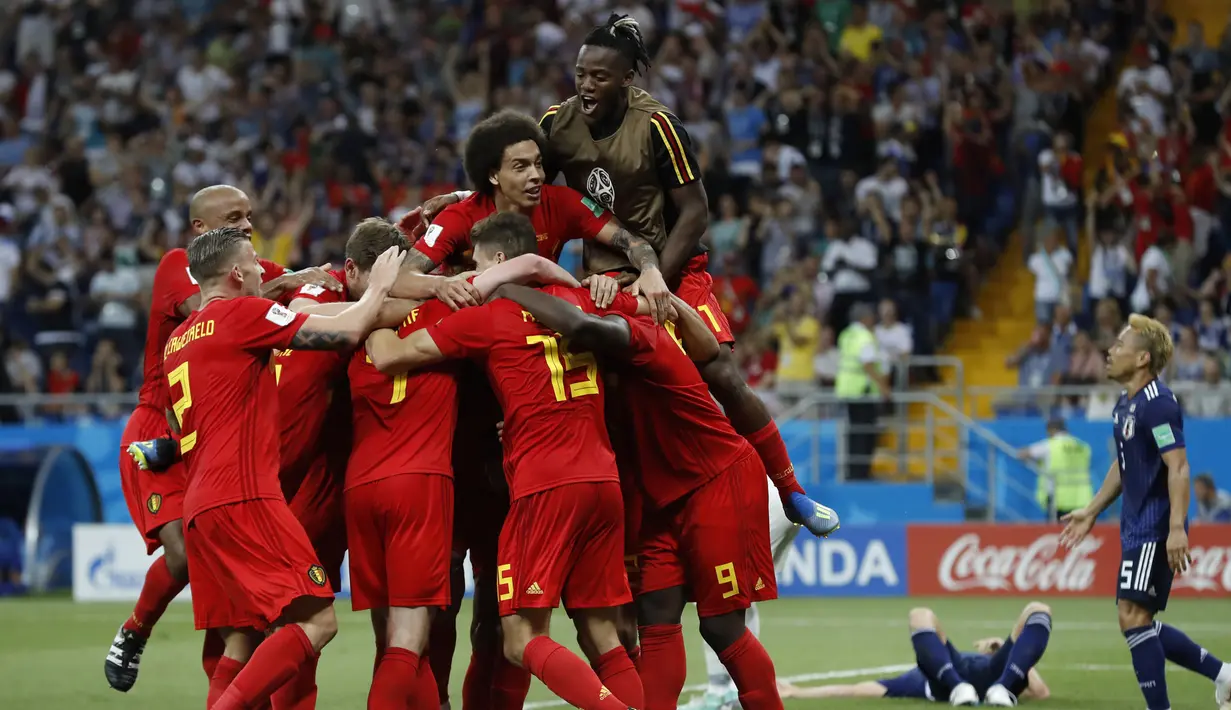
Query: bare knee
column 519, row 630
column 175, row 554
column 1036, row 608
column 597, row 631
column 1133, row 616
column 316, row 617
column 922, row 618
column 409, row 627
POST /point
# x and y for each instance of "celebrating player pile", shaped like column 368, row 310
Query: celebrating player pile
column 294, row 449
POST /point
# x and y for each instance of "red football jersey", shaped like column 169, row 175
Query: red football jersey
column 683, row 439
column 402, row 424
column 554, row 430
column 225, row 398
column 314, row 416
column 172, row 286
column 312, row 396
column 320, row 294
column 562, row 214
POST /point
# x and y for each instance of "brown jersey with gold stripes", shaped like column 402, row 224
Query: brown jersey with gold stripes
column 629, row 170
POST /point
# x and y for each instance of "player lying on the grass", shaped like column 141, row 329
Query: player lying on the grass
column 704, row 535
column 1151, row 469
column 1000, row 672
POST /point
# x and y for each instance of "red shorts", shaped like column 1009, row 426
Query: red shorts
column 398, row 529
column 697, row 290
column 154, row 499
column 317, row 505
column 715, row 542
column 249, row 560
column 564, row 543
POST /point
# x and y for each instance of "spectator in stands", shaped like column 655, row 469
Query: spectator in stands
column 798, row 334
column 1213, row 505
column 1061, row 169
column 1086, row 365
column 105, row 377
column 886, row 183
column 1211, row 329
column 1154, row 279
column 115, row 297
column 859, row 37
column 1037, row 365
column 1111, row 265
column 1188, row 363
column 1147, row 86
column 728, row 235
column 1051, row 265
column 860, row 378
column 1108, row 322
column 827, row 359
column 10, row 255
column 61, row 379
column 848, row 264
column 893, row 336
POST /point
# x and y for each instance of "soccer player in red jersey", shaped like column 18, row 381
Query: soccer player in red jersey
column 563, row 537
column 704, row 533
column 253, row 567
column 155, row 499
column 590, row 137
column 504, row 160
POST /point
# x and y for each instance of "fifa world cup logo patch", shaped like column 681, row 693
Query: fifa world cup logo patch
column 600, row 187
column 316, row 573
column 153, row 503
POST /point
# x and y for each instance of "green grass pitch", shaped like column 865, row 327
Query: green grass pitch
column 53, row 652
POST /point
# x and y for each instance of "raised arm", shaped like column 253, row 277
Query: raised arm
column 390, row 315
column 276, row 288
column 587, row 332
column 351, row 326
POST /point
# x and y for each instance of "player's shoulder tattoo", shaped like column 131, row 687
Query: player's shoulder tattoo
column 418, row 261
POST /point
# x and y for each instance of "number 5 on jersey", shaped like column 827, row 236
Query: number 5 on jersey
column 179, row 376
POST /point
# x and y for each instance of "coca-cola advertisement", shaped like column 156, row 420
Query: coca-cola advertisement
column 1028, row 560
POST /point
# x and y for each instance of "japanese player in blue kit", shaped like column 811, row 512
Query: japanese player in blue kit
column 999, row 671
column 1151, row 470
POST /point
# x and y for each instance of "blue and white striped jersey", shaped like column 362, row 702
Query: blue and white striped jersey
column 1147, row 425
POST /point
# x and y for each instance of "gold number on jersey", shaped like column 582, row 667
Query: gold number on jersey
column 561, row 361
column 704, row 308
column 277, row 373
column 504, row 582
column 671, row 331
column 179, row 376
column 726, row 575
column 399, row 384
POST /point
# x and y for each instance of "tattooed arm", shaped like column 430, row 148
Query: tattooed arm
column 642, row 256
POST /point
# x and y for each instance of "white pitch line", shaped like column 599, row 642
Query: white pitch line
column 877, row 671
column 827, row 675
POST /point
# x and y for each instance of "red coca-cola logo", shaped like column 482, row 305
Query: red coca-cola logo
column 984, row 559
column 970, row 563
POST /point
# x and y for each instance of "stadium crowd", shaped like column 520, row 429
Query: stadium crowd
column 1157, row 214
column 853, row 152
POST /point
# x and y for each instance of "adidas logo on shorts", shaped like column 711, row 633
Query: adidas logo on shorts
column 534, row 588
column 759, row 585
column 603, row 693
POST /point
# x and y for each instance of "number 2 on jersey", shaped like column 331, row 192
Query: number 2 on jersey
column 179, row 376
column 561, row 361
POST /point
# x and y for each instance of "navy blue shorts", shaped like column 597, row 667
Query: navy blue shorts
column 1145, row 576
column 981, row 671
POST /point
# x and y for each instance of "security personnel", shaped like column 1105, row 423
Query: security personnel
column 1064, row 478
column 860, row 377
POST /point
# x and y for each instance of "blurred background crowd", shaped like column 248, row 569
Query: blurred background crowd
column 873, row 152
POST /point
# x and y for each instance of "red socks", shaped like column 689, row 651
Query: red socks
column 225, row 672
column 477, row 687
column 509, row 684
column 300, row 692
column 396, row 681
column 664, row 665
column 275, row 662
column 568, row 676
column 212, row 648
column 156, row 593
column 770, row 447
column 616, row 671
column 753, row 673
